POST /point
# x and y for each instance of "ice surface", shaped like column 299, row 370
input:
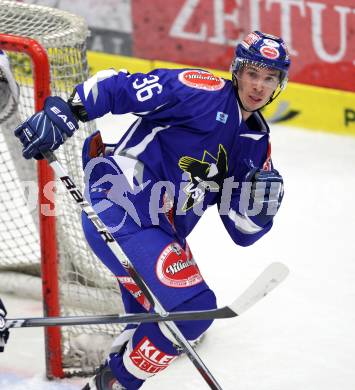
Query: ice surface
column 301, row 336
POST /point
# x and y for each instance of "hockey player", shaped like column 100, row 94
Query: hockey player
column 198, row 138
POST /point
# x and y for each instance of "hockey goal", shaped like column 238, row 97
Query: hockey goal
column 41, row 243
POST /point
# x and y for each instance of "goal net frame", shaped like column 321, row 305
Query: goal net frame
column 49, row 252
column 60, row 363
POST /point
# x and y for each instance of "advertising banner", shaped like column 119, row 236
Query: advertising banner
column 320, row 34
column 204, row 33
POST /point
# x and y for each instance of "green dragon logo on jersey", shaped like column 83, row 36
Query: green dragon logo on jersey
column 204, row 175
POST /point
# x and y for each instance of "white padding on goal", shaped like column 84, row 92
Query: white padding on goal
column 21, row 285
column 75, row 296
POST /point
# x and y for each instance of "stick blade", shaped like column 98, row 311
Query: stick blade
column 270, row 278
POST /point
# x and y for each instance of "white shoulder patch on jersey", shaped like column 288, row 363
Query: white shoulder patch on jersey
column 243, row 223
column 91, row 83
column 255, row 137
column 148, row 112
column 136, row 150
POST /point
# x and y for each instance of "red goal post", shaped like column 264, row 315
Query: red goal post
column 49, row 271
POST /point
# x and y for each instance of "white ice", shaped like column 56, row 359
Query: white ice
column 302, row 335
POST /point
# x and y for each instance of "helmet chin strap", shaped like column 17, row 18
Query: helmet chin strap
column 235, row 83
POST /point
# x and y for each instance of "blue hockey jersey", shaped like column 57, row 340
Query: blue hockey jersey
column 188, row 144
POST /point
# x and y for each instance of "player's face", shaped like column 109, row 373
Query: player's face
column 256, row 85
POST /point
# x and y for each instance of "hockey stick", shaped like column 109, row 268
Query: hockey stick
column 271, row 277
column 126, row 263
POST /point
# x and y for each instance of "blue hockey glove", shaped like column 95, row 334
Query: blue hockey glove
column 47, row 129
column 266, row 194
column 4, row 333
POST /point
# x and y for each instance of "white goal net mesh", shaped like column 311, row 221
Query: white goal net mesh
column 86, row 286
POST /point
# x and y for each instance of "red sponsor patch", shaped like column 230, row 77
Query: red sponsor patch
column 129, row 284
column 147, row 357
column 201, row 80
column 177, row 268
column 270, row 52
column 251, row 38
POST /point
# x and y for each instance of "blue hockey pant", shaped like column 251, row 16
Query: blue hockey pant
column 167, row 266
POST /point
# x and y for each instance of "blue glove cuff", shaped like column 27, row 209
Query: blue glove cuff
column 60, row 114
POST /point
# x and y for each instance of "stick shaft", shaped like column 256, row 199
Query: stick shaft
column 224, row 312
column 271, row 277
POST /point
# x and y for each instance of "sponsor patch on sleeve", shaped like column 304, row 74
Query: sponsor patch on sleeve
column 201, row 80
column 250, row 39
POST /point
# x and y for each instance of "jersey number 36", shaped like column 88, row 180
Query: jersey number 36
column 146, row 87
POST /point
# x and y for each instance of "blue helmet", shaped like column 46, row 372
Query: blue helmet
column 266, row 50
